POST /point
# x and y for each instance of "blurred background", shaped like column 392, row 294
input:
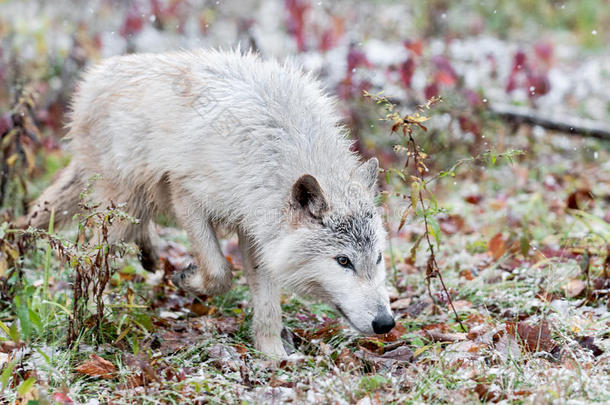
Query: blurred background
column 549, row 56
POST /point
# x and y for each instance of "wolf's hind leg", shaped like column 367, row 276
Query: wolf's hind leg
column 212, row 275
column 267, row 320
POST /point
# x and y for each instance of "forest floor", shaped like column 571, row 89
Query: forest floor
column 522, row 244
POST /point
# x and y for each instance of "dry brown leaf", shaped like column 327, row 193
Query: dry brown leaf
column 347, row 359
column 394, row 334
column 587, row 342
column 497, row 246
column 8, row 346
column 396, row 357
column 440, row 333
column 402, row 303
column 473, row 198
column 580, row 199
column 574, row 288
column 485, row 394
column 451, row 224
column 97, row 367
column 226, row 325
column 467, row 274
column 534, row 337
column 462, row 304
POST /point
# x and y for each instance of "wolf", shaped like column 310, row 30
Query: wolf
column 225, row 139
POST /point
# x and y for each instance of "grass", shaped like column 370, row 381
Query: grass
column 166, row 351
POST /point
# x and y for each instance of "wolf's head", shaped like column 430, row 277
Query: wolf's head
column 334, row 249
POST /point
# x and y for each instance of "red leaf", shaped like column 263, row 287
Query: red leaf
column 62, row 398
column 497, row 246
column 406, row 71
column 519, row 61
column 451, row 224
column 534, row 337
column 544, row 50
column 431, row 90
column 446, row 74
column 415, row 46
column 133, row 22
column 580, row 199
column 473, row 199
column 297, row 10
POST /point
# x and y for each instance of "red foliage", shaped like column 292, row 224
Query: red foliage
column 406, row 71
column 431, row 90
column 468, row 124
column 133, row 21
column 532, row 76
column 445, row 74
column 415, row 46
column 297, row 10
column 544, row 51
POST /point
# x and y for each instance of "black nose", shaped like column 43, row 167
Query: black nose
column 383, row 322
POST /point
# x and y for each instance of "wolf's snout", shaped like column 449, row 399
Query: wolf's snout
column 383, row 322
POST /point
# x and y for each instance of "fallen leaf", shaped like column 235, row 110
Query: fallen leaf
column 402, row 303
column 8, row 346
column 394, row 334
column 451, row 224
column 400, row 354
column 473, row 199
column 476, row 331
column 225, row 357
column 440, row 333
column 534, row 337
column 486, row 394
column 226, row 325
column 62, row 398
column 347, row 359
column 397, row 357
column 327, row 330
column 97, row 367
column 587, row 342
column 199, row 308
column 580, row 199
column 462, row 304
column 574, row 288
column 497, row 246
column 508, row 348
column 467, row 274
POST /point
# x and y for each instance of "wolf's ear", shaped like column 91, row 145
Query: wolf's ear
column 307, row 195
column 368, row 172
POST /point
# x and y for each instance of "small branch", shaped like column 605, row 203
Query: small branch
column 569, row 125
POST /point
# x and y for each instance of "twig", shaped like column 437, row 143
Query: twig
column 570, row 125
column 432, row 269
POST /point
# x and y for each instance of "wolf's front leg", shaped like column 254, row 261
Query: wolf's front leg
column 267, row 319
column 212, row 274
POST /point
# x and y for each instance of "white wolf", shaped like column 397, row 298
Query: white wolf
column 222, row 139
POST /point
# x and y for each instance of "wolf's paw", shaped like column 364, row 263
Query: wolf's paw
column 271, row 347
column 148, row 259
column 194, row 281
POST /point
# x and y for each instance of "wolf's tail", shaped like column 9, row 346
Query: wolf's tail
column 61, row 197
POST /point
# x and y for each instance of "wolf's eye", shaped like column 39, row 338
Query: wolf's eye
column 379, row 258
column 344, row 261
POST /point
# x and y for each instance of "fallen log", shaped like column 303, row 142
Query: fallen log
column 569, row 125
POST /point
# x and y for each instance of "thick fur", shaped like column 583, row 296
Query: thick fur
column 225, row 139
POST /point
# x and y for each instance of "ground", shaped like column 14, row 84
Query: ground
column 520, row 228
